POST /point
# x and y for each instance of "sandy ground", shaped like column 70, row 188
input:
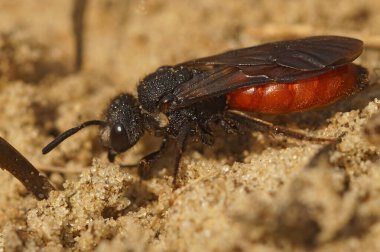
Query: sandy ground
column 243, row 194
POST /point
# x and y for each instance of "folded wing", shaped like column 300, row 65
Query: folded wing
column 281, row 62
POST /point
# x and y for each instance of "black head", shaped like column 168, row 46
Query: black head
column 122, row 128
column 124, row 125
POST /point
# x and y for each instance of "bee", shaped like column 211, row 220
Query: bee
column 273, row 78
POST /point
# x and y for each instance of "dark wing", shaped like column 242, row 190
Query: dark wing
column 313, row 53
column 282, row 62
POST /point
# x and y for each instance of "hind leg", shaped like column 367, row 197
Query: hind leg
column 267, row 127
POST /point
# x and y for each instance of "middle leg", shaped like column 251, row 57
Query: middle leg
column 180, row 146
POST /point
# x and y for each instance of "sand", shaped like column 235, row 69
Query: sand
column 246, row 193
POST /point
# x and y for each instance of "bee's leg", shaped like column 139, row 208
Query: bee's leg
column 146, row 162
column 180, row 146
column 205, row 134
column 230, row 126
column 264, row 126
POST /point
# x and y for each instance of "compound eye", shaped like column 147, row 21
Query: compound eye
column 119, row 138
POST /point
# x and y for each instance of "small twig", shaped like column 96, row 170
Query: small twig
column 78, row 30
column 14, row 162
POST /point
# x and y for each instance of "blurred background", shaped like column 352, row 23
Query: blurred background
column 124, row 40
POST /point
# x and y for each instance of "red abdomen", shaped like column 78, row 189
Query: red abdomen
column 276, row 98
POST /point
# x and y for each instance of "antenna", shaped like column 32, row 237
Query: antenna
column 68, row 133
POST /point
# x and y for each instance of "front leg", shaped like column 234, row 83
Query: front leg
column 147, row 161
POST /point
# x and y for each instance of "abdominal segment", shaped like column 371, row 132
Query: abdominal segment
column 277, row 98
